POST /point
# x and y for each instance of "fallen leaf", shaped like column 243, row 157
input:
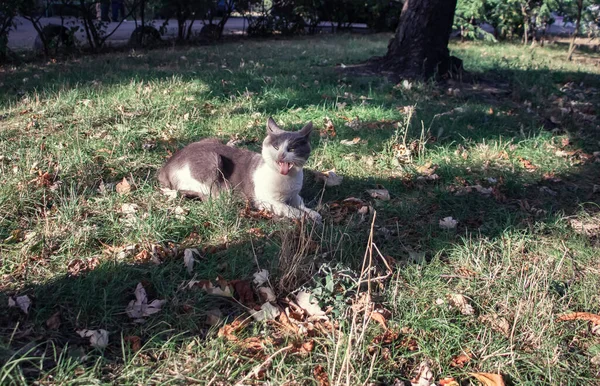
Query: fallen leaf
column 489, row 379
column 460, row 301
column 350, row 142
column 497, row 323
column 123, row 187
column 169, row 193
column 448, row 223
column 135, row 342
column 140, row 308
column 448, row 382
column 424, row 375
column 23, row 302
column 580, row 316
column 228, row 331
column 328, row 129
column 527, row 164
column 129, row 209
column 266, row 294
column 218, row 291
column 379, row 318
column 321, row 376
column 243, row 290
column 53, row 322
column 188, row 258
column 267, row 312
column 380, row 193
column 261, row 277
column 309, row 304
column 98, row 338
column 387, row 337
column 329, row 177
column 460, row 360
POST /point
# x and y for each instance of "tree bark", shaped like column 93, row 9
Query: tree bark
column 419, row 49
column 577, row 24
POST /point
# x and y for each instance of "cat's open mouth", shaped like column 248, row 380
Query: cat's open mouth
column 284, row 167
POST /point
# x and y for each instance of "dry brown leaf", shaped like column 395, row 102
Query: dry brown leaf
column 460, row 360
column 308, row 346
column 497, row 323
column 135, row 342
column 53, row 322
column 460, row 301
column 139, row 308
column 527, row 164
column 380, row 193
column 285, row 322
column 379, row 318
column 98, row 338
column 244, row 292
column 321, row 376
column 123, row 187
column 489, row 379
column 228, row 331
column 266, row 294
column 329, row 177
column 449, row 381
column 267, row 312
column 424, row 375
column 328, row 129
column 388, row 337
column 580, row 316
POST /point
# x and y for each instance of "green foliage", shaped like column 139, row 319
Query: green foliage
column 8, row 11
column 468, row 17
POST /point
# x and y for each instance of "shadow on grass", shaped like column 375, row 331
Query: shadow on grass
column 521, row 200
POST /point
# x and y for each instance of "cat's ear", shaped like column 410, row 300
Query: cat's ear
column 272, row 128
column 306, row 130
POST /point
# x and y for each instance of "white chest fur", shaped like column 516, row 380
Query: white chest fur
column 271, row 186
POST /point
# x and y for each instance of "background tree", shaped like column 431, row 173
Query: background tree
column 419, row 48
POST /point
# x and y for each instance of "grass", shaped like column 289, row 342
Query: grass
column 522, row 255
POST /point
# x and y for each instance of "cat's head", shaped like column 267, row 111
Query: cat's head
column 286, row 151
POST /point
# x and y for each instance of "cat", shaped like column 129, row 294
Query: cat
column 271, row 180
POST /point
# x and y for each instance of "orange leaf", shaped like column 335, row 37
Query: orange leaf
column 379, row 318
column 489, row 379
column 460, row 360
column 581, row 316
column 134, row 341
column 321, row 376
column 448, row 382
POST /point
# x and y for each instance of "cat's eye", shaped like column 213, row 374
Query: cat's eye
column 275, row 147
column 291, row 149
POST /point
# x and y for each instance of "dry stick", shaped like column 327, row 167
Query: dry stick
column 365, row 269
column 266, row 362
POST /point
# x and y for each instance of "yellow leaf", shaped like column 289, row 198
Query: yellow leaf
column 489, row 379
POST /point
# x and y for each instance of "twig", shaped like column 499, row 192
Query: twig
column 266, row 362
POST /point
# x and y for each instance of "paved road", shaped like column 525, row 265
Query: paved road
column 23, row 37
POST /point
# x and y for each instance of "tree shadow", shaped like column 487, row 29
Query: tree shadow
column 519, row 199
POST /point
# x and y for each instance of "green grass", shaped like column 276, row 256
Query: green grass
column 517, row 254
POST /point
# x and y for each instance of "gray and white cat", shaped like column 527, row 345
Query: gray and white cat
column 272, row 180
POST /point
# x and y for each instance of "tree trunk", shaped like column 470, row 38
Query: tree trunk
column 419, row 49
column 577, row 23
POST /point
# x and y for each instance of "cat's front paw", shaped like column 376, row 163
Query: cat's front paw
column 315, row 216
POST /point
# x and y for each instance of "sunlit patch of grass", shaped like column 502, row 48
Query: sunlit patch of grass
column 517, row 252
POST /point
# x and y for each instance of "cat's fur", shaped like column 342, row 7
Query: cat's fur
column 272, row 180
